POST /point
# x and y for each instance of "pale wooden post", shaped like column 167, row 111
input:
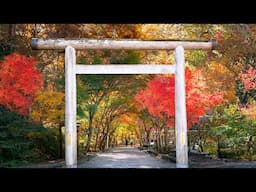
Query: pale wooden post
column 107, row 142
column 180, row 110
column 70, row 108
column 118, row 44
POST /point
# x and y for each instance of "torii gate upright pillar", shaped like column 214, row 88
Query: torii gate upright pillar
column 180, row 110
column 70, row 108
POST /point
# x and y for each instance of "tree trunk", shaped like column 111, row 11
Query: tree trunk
column 166, row 137
column 78, row 146
column 101, row 141
column 109, row 141
column 96, row 142
column 218, row 147
column 60, row 141
column 158, row 145
column 148, row 137
column 249, row 147
column 105, row 136
column 11, row 32
column 201, row 145
column 104, row 142
column 87, row 148
column 161, row 140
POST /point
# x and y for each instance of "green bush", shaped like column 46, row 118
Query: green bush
column 229, row 129
column 21, row 142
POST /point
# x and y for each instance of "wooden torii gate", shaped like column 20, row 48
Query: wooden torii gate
column 71, row 69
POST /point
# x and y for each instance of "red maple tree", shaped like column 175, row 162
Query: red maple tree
column 159, row 97
column 19, row 80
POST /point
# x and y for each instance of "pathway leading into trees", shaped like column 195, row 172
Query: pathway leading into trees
column 125, row 157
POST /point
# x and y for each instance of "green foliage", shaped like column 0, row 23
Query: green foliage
column 92, row 108
column 21, row 143
column 9, row 118
column 45, row 142
column 81, row 60
column 14, row 163
column 81, row 112
column 230, row 130
column 13, row 144
column 97, row 60
column 60, row 82
column 6, row 48
column 130, row 58
column 197, row 58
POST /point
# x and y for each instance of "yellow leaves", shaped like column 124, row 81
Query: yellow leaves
column 149, row 31
column 160, row 31
column 48, row 107
column 115, row 31
column 35, row 115
column 219, row 78
column 157, row 57
column 129, row 118
column 28, row 31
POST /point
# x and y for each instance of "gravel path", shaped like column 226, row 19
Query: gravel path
column 125, row 157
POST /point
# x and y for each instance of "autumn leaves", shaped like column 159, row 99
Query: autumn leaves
column 19, row 81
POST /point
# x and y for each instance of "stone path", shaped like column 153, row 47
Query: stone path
column 125, row 157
